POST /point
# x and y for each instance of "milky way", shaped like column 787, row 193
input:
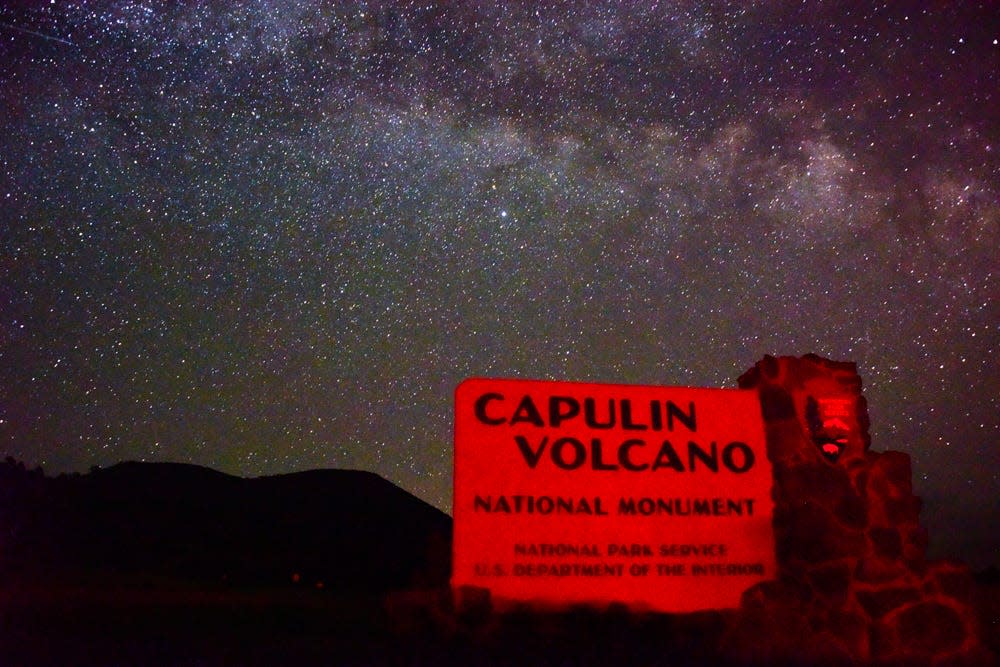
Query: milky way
column 269, row 236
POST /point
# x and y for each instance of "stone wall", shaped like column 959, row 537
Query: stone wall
column 853, row 585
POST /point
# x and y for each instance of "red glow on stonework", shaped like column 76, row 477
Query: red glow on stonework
column 836, row 424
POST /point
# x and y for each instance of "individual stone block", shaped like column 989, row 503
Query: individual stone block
column 831, row 581
column 886, row 542
column 879, row 601
column 810, row 533
column 929, row 628
column 776, row 404
column 952, row 580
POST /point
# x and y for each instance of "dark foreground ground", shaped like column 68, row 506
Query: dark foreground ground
column 158, row 625
column 170, row 564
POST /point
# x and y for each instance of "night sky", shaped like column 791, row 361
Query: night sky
column 270, row 236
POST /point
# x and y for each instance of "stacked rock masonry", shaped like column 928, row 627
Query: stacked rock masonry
column 853, row 583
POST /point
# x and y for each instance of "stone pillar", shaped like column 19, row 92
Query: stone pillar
column 853, row 583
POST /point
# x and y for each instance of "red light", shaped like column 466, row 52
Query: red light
column 659, row 497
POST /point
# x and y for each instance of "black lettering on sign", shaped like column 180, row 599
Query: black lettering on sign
column 563, row 409
column 531, row 456
column 571, row 454
column 480, row 409
column 527, row 412
column 579, row 453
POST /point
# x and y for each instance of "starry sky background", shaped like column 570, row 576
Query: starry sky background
column 269, row 236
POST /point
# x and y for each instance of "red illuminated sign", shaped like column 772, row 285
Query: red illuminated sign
column 659, row 497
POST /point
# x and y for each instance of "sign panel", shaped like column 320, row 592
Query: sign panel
column 565, row 493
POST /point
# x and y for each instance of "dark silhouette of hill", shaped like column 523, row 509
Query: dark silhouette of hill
column 168, row 564
column 153, row 523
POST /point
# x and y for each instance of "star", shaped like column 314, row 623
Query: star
column 263, row 237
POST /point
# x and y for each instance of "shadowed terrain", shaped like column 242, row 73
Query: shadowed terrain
column 344, row 530
column 168, row 564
